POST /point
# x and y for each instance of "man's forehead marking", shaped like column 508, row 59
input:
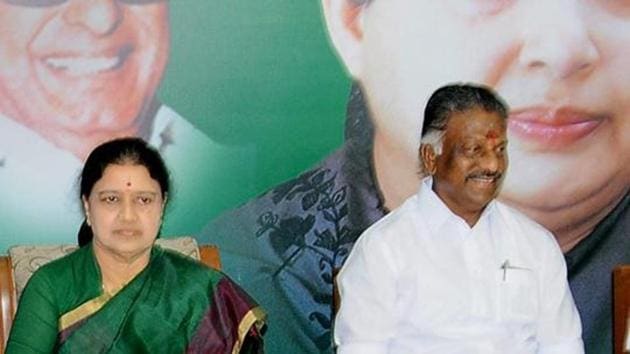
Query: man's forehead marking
column 492, row 134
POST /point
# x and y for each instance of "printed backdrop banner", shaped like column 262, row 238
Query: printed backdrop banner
column 292, row 126
column 252, row 94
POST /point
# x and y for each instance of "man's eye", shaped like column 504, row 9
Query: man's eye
column 471, row 150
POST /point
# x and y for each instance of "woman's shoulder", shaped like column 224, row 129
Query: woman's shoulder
column 64, row 264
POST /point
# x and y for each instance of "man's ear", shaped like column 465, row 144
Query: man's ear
column 428, row 158
column 344, row 20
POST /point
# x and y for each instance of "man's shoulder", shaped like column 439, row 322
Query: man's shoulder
column 527, row 226
column 400, row 223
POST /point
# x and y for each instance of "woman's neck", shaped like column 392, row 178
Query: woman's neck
column 570, row 225
column 118, row 270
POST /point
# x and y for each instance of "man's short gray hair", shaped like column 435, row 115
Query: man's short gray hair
column 435, row 138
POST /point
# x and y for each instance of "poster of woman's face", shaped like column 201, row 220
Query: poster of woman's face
column 558, row 64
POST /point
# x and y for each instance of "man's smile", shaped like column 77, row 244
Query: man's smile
column 85, row 65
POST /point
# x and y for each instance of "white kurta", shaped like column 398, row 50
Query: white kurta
column 421, row 280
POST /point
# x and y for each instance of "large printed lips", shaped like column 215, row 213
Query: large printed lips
column 553, row 128
column 87, row 64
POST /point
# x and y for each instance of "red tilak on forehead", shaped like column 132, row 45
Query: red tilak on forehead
column 492, row 135
column 128, row 184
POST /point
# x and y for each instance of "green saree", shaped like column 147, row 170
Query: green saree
column 174, row 305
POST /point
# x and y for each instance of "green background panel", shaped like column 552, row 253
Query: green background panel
column 258, row 73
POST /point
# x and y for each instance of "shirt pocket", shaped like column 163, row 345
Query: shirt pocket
column 519, row 294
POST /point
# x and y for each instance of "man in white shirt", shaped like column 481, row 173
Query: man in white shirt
column 453, row 270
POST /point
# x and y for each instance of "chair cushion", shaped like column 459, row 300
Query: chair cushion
column 27, row 259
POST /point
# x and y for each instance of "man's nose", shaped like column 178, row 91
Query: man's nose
column 100, row 17
column 556, row 39
column 491, row 161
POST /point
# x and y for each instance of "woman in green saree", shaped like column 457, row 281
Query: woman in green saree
column 119, row 293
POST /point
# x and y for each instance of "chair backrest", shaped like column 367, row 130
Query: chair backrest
column 621, row 312
column 20, row 263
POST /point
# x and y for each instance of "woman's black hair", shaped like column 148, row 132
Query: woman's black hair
column 131, row 150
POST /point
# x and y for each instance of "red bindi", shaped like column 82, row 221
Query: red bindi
column 492, row 135
column 128, row 184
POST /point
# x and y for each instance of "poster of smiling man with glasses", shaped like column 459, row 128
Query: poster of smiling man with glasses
column 75, row 73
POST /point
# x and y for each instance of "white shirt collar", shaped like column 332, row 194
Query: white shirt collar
column 431, row 204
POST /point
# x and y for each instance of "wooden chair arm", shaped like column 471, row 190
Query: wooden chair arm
column 621, row 307
column 7, row 300
column 209, row 255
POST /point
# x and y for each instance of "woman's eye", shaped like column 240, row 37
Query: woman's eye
column 111, row 199
column 145, row 200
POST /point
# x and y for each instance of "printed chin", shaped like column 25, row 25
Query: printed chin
column 539, row 193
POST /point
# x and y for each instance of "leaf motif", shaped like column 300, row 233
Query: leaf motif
column 280, row 241
column 309, row 200
column 281, row 191
column 318, row 177
column 289, row 189
column 343, row 211
column 307, row 224
column 339, row 196
column 325, row 203
column 342, row 253
column 328, row 185
column 325, row 240
column 261, row 231
column 329, row 216
column 299, row 189
column 348, row 236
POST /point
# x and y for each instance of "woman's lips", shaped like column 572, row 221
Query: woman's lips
column 552, row 128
